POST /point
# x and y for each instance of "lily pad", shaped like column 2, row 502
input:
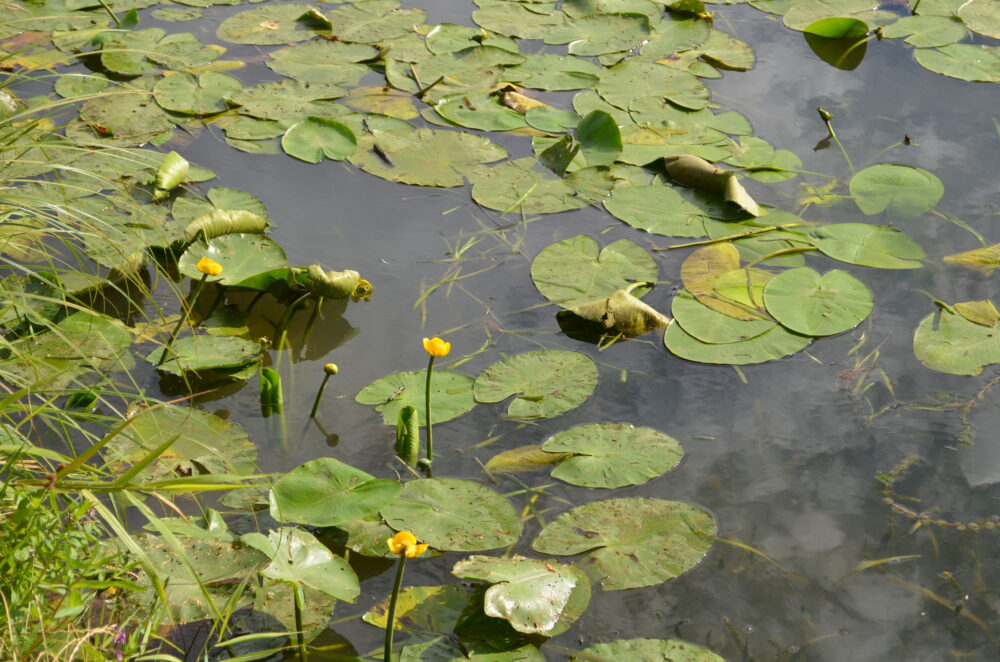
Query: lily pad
column 524, row 187
column 289, row 100
column 629, row 543
column 982, row 16
column 314, row 138
column 633, row 79
column 208, row 352
column 371, row 21
column 426, row 157
column 599, row 138
column 837, row 28
column 533, row 595
column 515, row 19
column 703, row 268
column 962, row 61
column 203, row 94
column 947, row 342
column 598, row 34
column 269, row 25
column 128, row 115
column 817, row 305
column 241, row 256
column 298, row 557
column 186, row 210
column 451, row 392
column 926, row 31
column 327, row 492
column 479, row 111
column 986, row 258
column 522, row 458
column 577, row 271
column 901, row 191
column 710, row 326
column 544, row 383
column 454, row 514
column 648, row 650
column 611, row 455
column 869, row 245
column 658, row 209
column 382, row 100
column 805, row 13
column 324, row 61
column 451, row 38
column 548, row 71
column 774, row 344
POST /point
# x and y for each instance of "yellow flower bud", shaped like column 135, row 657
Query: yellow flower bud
column 331, row 369
column 209, row 267
column 436, row 347
column 405, row 542
column 363, row 291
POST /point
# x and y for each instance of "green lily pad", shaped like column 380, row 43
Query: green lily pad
column 314, row 138
column 177, row 15
column 599, row 138
column 297, row 557
column 962, row 61
column 648, row 650
column 805, row 13
column 474, row 70
column 522, row 458
column 711, row 326
column 426, row 157
column 203, row 442
column 185, row 209
column 384, row 101
column 515, row 19
column 613, row 455
column 533, row 595
column 982, row 16
column 817, row 305
column 327, row 492
column 675, row 34
column 548, row 71
column 209, row 352
column 69, row 86
column 634, row 79
column 423, row 608
column 837, row 28
column 451, row 394
column 324, row 61
column 868, row 245
column 269, row 25
column 630, row 543
column 658, row 209
column 241, row 256
column 577, row 270
column 203, row 94
column 451, row 38
column 598, row 34
column 950, row 343
column 522, row 186
column 900, row 191
column 126, row 53
column 926, row 31
column 289, row 100
column 544, row 383
column 551, row 120
column 454, row 514
column 481, row 111
column 767, row 346
column 371, row 21
column 128, row 115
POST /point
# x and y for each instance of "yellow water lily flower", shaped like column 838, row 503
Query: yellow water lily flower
column 436, row 347
column 209, row 267
column 405, row 542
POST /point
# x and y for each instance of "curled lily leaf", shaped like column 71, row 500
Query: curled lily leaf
column 698, row 173
column 985, row 259
column 520, row 102
column 171, row 174
column 224, row 221
column 622, row 312
column 983, row 313
column 332, row 284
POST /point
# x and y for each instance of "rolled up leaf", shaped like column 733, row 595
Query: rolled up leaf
column 332, row 284
column 983, row 313
column 698, row 173
column 224, row 221
column 171, row 174
column 622, row 312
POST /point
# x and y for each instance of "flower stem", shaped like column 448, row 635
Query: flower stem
column 299, row 601
column 387, row 655
column 319, row 395
column 185, row 315
column 427, row 411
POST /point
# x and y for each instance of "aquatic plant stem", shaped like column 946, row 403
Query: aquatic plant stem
column 827, row 117
column 319, row 395
column 427, row 411
column 387, row 654
column 299, row 602
column 185, row 315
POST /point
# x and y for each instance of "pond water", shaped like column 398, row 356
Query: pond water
column 785, row 454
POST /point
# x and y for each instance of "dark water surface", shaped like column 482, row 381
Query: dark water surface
column 786, row 459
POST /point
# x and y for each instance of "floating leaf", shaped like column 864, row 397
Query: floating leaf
column 548, row 71
column 324, row 61
column 481, row 111
column 698, row 173
column 767, row 346
column 611, row 455
column 515, row 19
column 599, row 137
column 268, row 25
column 522, row 186
column 703, row 267
column 629, row 543
column 986, row 258
column 901, row 191
column 130, row 116
column 962, row 61
column 314, row 138
column 198, row 353
column 868, row 245
column 382, row 100
column 454, row 514
column 658, row 209
column 204, row 94
column 327, row 492
column 298, row 557
column 241, row 256
column 289, row 100
column 982, row 16
column 533, row 595
column 721, row 50
column 452, row 394
column 948, row 342
column 522, row 458
column 710, row 326
column 623, row 313
column 188, row 210
column 426, row 157
column 372, row 21
column 450, row 38
column 803, row 14
column 925, row 31
column 648, row 650
column 598, row 34
column 983, row 313
column 633, row 79
column 577, row 271
column 837, row 28
column 817, row 305
column 544, row 383
column 423, row 608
